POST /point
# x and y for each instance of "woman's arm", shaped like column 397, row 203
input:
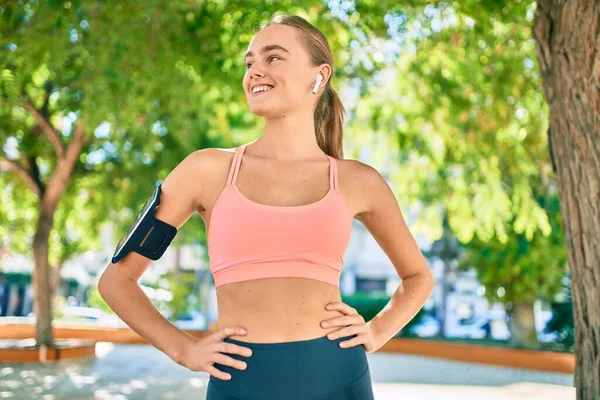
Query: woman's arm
column 130, row 303
column 383, row 218
column 181, row 196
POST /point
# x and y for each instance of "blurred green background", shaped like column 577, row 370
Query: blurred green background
column 100, row 100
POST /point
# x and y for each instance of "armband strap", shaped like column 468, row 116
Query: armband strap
column 146, row 235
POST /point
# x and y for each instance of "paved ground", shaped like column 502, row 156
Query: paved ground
column 141, row 372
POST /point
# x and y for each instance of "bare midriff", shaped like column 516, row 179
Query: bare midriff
column 274, row 310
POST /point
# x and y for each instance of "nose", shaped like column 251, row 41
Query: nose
column 256, row 73
column 254, row 69
column 253, row 76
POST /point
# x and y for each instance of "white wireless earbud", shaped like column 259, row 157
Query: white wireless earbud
column 317, row 83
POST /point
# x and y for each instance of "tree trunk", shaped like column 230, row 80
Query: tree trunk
column 444, row 299
column 42, row 306
column 522, row 326
column 50, row 196
column 567, row 37
column 55, row 281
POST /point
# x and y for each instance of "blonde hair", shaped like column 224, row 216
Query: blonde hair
column 329, row 112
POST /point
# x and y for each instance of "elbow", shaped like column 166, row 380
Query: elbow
column 104, row 283
column 428, row 281
column 101, row 284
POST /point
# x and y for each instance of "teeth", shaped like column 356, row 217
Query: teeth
column 262, row 88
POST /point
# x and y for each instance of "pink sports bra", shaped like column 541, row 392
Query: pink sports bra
column 249, row 240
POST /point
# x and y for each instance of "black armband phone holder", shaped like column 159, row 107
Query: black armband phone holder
column 146, row 235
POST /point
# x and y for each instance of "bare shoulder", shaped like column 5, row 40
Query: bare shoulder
column 363, row 185
column 206, row 161
column 207, row 156
column 205, row 168
column 195, row 166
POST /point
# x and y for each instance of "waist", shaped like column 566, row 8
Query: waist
column 278, row 309
column 275, row 328
column 309, row 369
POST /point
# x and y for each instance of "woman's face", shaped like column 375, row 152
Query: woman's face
column 276, row 58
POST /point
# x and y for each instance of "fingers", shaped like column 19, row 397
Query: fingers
column 217, row 373
column 218, row 346
column 355, row 341
column 345, row 320
column 229, row 331
column 342, row 307
column 225, row 347
column 230, row 361
column 347, row 331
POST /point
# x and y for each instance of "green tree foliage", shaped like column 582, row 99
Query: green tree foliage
column 463, row 105
column 458, row 98
column 99, row 100
column 182, row 287
column 155, row 81
column 521, row 270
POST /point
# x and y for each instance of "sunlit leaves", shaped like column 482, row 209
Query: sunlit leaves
column 154, row 81
column 458, row 116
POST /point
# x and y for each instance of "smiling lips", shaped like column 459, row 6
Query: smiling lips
column 261, row 92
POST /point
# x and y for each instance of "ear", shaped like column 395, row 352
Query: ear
column 325, row 71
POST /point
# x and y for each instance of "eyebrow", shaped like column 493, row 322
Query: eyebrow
column 266, row 48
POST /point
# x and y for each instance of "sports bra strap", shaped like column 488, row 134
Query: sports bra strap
column 235, row 165
column 333, row 174
column 237, row 159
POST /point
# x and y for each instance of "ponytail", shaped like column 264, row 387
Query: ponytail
column 329, row 120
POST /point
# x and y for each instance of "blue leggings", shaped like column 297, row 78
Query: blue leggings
column 313, row 369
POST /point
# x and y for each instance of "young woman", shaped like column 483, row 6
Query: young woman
column 279, row 212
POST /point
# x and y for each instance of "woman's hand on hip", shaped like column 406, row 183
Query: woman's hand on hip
column 352, row 323
column 202, row 354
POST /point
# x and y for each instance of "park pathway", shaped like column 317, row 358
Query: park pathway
column 140, row 372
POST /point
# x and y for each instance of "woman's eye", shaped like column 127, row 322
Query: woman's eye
column 249, row 64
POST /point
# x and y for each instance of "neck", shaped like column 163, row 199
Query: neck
column 288, row 137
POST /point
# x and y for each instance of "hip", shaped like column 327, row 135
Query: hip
column 305, row 369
